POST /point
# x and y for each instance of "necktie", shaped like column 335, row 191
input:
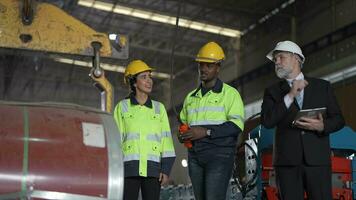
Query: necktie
column 299, row 97
column 299, row 100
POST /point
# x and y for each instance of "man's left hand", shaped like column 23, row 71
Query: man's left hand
column 312, row 124
column 194, row 133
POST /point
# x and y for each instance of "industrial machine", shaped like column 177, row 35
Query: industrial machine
column 254, row 170
column 56, row 150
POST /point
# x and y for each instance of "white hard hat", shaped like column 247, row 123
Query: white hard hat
column 288, row 46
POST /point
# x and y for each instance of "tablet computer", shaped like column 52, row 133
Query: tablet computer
column 311, row 113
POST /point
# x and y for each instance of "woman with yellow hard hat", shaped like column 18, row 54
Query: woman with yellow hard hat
column 147, row 143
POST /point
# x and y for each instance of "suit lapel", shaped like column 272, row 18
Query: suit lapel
column 307, row 93
column 284, row 87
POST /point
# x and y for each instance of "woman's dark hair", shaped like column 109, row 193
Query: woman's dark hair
column 132, row 80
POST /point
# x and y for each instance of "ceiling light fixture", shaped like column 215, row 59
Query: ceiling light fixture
column 152, row 16
column 341, row 75
column 268, row 16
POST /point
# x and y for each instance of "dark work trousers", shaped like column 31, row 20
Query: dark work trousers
column 292, row 181
column 210, row 173
column 150, row 188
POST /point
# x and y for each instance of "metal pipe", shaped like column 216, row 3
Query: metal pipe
column 27, row 12
column 96, row 59
column 98, row 75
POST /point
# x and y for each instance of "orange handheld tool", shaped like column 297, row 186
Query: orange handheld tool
column 183, row 128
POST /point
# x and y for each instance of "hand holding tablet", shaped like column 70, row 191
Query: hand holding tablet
column 310, row 113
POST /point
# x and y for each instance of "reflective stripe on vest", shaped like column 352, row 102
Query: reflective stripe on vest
column 157, row 107
column 125, row 106
column 150, row 137
column 238, row 117
column 153, row 137
column 167, row 154
column 131, row 157
column 207, row 108
column 131, row 136
column 206, row 122
column 155, row 158
column 150, row 157
column 166, row 134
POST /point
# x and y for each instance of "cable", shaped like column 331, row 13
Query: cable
column 174, row 39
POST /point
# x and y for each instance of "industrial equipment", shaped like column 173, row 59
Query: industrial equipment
column 254, row 170
column 56, row 150
column 36, row 26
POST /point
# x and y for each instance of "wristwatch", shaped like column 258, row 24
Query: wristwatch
column 208, row 132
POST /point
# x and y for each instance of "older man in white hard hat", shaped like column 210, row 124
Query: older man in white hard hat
column 301, row 146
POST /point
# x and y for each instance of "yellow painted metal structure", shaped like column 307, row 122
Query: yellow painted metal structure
column 51, row 30
column 106, row 89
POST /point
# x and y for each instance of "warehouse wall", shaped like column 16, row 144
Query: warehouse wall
column 311, row 24
column 346, row 95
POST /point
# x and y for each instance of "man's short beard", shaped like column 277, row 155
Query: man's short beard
column 283, row 72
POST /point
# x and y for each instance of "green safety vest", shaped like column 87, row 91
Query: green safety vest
column 213, row 108
column 145, row 133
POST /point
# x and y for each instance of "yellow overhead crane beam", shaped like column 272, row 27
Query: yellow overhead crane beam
column 47, row 28
column 44, row 27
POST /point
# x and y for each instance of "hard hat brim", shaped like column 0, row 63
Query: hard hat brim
column 270, row 55
column 148, row 69
column 207, row 60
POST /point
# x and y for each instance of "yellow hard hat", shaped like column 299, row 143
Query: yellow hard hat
column 136, row 67
column 211, row 52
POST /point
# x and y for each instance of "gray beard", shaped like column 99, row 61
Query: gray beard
column 282, row 72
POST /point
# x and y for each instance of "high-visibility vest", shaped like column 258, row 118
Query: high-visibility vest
column 145, row 135
column 213, row 108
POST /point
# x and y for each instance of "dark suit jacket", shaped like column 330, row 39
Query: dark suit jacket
column 291, row 144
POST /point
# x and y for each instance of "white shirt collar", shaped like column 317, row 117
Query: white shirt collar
column 299, row 77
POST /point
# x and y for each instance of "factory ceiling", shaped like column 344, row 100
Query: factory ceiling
column 149, row 40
